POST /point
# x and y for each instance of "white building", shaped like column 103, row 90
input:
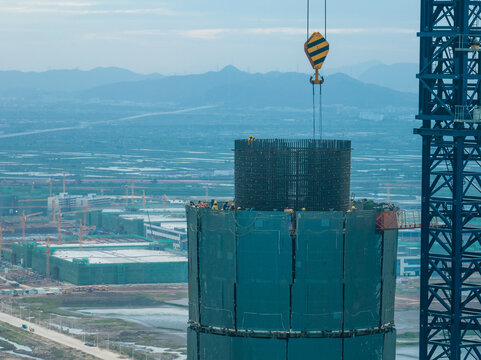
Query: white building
column 68, row 202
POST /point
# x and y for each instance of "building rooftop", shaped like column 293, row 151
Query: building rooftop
column 116, row 256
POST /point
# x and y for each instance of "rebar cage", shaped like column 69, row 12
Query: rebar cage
column 276, row 174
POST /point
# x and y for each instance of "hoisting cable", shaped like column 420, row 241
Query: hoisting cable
column 308, row 19
column 320, row 112
column 316, row 49
column 313, row 113
column 313, row 90
column 320, row 86
column 325, row 19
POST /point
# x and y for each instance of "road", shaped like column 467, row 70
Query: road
column 61, row 339
column 20, row 285
column 86, row 124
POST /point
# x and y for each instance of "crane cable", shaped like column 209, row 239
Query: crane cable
column 320, row 86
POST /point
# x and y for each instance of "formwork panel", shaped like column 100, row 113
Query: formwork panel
column 215, row 347
column 258, row 349
column 263, row 306
column 192, row 222
column 390, row 242
column 389, row 350
column 322, row 348
column 217, row 251
column 362, row 271
column 264, row 247
column 264, row 270
column 192, row 344
column 254, row 251
column 317, row 290
column 369, row 347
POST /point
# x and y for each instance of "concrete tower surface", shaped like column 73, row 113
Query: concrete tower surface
column 303, row 277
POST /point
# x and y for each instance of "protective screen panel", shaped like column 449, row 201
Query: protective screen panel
column 215, row 347
column 258, row 349
column 362, row 271
column 217, row 270
column 390, row 242
column 264, row 270
column 192, row 233
column 278, row 286
column 318, row 287
column 325, row 349
column 368, row 347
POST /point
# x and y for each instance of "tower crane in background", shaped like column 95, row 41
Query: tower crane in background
column 449, row 108
column 164, row 200
column 388, row 188
column 47, row 258
column 24, row 221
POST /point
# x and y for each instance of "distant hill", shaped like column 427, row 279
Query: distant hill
column 353, row 71
column 66, row 80
column 232, row 87
column 401, row 76
column 229, row 87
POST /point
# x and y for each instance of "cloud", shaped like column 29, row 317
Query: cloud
column 205, row 34
column 80, row 11
column 58, row 4
column 302, row 31
column 276, row 30
column 209, row 34
column 202, row 34
column 219, row 33
column 374, row 31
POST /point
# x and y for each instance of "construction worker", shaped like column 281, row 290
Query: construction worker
column 226, row 205
column 293, row 219
column 215, row 207
column 251, row 139
column 232, row 206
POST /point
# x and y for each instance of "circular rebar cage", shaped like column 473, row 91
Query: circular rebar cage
column 277, row 174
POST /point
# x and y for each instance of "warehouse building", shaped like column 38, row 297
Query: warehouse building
column 104, row 263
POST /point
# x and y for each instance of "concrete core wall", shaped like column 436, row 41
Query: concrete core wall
column 265, row 285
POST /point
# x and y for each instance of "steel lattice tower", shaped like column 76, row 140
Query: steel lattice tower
column 449, row 100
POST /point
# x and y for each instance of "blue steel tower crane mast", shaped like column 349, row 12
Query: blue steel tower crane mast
column 450, row 111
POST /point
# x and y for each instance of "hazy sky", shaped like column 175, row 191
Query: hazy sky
column 191, row 36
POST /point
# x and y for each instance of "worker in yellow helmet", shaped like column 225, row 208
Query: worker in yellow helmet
column 251, row 139
column 215, row 207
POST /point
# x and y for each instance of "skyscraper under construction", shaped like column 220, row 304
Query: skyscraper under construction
column 295, row 269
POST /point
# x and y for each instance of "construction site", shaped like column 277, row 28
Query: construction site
column 94, row 239
column 293, row 237
column 255, row 239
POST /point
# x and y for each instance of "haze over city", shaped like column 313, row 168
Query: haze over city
column 184, row 37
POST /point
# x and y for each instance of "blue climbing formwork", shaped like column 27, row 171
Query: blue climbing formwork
column 276, row 285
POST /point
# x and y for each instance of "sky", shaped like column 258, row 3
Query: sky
column 194, row 36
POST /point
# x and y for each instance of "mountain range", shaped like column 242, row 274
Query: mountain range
column 228, row 87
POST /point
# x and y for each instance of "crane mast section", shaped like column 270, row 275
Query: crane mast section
column 450, row 111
